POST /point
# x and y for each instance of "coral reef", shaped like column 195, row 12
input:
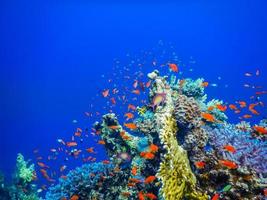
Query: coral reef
column 179, row 148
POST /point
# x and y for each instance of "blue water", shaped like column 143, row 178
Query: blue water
column 53, row 54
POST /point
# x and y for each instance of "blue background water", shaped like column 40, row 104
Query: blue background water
column 52, row 56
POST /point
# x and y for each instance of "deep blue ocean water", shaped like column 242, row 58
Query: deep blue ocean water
column 53, row 55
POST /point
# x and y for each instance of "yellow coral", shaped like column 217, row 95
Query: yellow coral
column 178, row 181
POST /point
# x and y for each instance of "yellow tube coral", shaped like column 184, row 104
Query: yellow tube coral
column 178, row 181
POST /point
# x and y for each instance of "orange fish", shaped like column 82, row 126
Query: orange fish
column 131, row 107
column 101, row 142
column 151, row 196
column 126, row 194
column 153, row 148
column 62, row 168
column 90, row 150
column 260, row 129
column 130, row 125
column 205, row 84
column 147, row 155
column 229, row 148
column 141, row 196
column 242, row 104
column 136, row 92
column 114, row 127
column 78, row 134
column 246, row 116
column 173, row 67
column 216, row 196
column 208, row 117
column 148, row 84
column 105, row 161
column 149, row 179
column 71, row 144
column 232, row 107
column 211, row 108
column 41, row 164
column 113, row 101
column 74, row 197
column 200, row 164
column 221, row 108
column 135, row 180
column 134, row 171
column 228, row 164
column 129, row 115
column 105, row 93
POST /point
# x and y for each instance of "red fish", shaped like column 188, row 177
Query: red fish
column 149, row 179
column 228, row 164
column 134, row 171
column 153, row 148
column 131, row 107
column 105, row 93
column 232, row 107
column 136, row 92
column 90, row 150
column 216, row 197
column 205, row 84
column 101, row 142
column 242, row 104
column 173, row 67
column 141, row 196
column 260, row 129
column 147, row 155
column 151, row 196
column 74, row 197
column 200, row 164
column 130, row 125
column 222, row 108
column 129, row 115
column 208, row 117
column 71, row 144
column 229, row 148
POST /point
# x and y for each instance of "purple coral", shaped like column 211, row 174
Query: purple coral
column 251, row 152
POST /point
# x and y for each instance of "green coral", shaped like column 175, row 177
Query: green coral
column 25, row 172
column 194, row 88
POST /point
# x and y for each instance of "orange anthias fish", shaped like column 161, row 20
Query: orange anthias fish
column 216, row 196
column 101, row 142
column 229, row 148
column 260, row 129
column 134, row 171
column 221, row 108
column 205, row 84
column 130, row 125
column 131, row 107
column 129, row 115
column 208, row 117
column 141, row 196
column 71, row 144
column 147, row 155
column 149, row 179
column 173, row 67
column 90, row 150
column 153, row 148
column 228, row 164
column 151, row 196
column 74, row 197
column 200, row 164
column 211, row 108
column 242, row 104
column 232, row 107
column 246, row 116
column 136, row 92
column 105, row 93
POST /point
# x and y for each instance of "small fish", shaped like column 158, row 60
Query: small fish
column 227, row 188
column 151, row 196
column 141, row 196
column 246, row 116
column 232, row 107
column 62, row 168
column 74, row 197
column 173, row 67
column 158, row 99
column 211, row 108
column 131, row 126
column 147, row 155
column 131, row 107
column 208, row 117
column 257, row 72
column 90, row 150
column 114, row 127
column 134, row 170
column 216, row 197
column 129, row 115
column 248, row 74
column 113, row 101
column 265, row 192
column 71, row 144
column 135, row 84
column 228, row 164
column 101, row 142
column 205, row 84
column 229, row 148
column 153, row 148
column 106, row 162
column 260, row 129
column 242, row 104
column 136, row 92
column 105, row 93
column 221, row 107
column 149, row 179
column 200, row 164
